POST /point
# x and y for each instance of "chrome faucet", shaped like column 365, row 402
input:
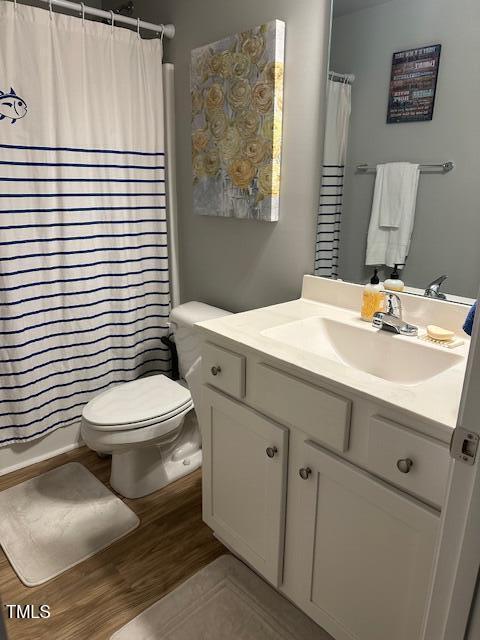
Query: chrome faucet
column 392, row 318
column 433, row 289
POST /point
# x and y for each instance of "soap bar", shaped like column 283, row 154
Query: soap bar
column 437, row 333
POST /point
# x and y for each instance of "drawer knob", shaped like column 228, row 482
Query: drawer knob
column 216, row 370
column 404, row 465
column 305, row 473
column 271, row 451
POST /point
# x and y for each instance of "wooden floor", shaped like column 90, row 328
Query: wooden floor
column 100, row 595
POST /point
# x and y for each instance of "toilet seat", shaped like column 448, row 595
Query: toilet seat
column 112, row 439
column 142, row 403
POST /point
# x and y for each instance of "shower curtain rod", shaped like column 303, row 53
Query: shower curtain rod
column 167, row 29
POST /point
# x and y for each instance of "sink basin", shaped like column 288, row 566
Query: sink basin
column 404, row 360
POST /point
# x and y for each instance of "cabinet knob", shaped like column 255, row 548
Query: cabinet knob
column 404, row 465
column 305, row 473
column 216, row 370
column 271, row 451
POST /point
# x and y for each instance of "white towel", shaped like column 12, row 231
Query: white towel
column 398, row 192
column 393, row 213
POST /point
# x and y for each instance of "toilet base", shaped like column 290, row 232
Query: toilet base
column 141, row 470
column 138, row 472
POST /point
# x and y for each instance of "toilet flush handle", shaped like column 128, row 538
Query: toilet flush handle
column 216, row 370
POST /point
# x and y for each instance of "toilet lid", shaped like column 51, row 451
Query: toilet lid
column 138, row 401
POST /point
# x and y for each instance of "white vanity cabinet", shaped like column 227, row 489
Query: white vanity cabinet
column 245, row 471
column 350, row 538
column 370, row 551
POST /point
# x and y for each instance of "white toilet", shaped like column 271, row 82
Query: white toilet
column 149, row 425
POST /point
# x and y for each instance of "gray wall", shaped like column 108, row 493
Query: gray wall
column 447, row 226
column 241, row 264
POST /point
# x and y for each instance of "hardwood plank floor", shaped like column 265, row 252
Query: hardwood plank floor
column 100, row 595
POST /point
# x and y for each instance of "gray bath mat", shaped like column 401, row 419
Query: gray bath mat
column 224, row 601
column 52, row 522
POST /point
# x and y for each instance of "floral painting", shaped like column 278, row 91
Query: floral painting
column 237, row 92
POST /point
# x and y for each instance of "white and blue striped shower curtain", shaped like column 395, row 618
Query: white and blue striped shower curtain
column 84, row 274
column 329, row 217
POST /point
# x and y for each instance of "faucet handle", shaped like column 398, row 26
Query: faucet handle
column 438, row 281
column 393, row 304
column 433, row 289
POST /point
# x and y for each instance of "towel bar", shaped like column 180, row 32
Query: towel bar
column 445, row 167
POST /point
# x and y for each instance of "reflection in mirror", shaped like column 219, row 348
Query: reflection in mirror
column 401, row 161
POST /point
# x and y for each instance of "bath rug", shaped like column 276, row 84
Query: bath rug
column 52, row 522
column 225, row 600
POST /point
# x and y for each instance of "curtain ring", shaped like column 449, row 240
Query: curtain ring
column 112, row 18
column 82, row 4
column 50, row 8
column 138, row 27
column 162, row 34
column 15, row 4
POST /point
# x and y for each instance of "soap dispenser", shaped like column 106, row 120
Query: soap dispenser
column 394, row 283
column 373, row 298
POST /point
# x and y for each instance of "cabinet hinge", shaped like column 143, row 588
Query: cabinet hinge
column 464, row 445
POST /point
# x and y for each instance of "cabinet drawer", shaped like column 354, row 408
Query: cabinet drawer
column 391, row 445
column 323, row 415
column 224, row 370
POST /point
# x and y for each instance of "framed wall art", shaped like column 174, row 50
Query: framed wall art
column 237, row 94
column 413, row 84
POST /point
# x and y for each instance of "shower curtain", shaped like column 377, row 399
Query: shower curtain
column 84, row 274
column 333, row 171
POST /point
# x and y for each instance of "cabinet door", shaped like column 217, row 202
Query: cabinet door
column 244, row 481
column 370, row 551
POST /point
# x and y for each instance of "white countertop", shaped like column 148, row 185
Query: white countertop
column 434, row 401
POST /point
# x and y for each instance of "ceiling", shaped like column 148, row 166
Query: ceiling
column 342, row 7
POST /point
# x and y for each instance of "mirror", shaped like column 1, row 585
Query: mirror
column 403, row 88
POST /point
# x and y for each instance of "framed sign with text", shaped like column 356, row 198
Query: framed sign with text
column 413, row 84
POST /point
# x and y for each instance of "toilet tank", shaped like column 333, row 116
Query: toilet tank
column 187, row 340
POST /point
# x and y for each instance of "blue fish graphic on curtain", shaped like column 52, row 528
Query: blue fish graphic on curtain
column 12, row 106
